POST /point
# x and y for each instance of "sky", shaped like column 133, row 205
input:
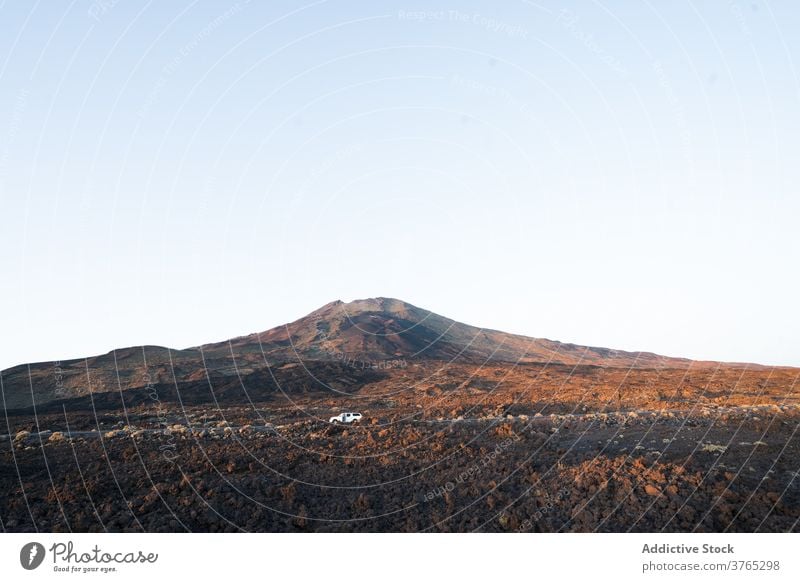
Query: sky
column 620, row 174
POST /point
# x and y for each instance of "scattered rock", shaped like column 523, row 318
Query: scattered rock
column 712, row 448
column 651, row 490
column 56, row 437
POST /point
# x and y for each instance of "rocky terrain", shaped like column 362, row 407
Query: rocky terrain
column 464, row 430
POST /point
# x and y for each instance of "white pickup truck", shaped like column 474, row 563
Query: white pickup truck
column 346, row 418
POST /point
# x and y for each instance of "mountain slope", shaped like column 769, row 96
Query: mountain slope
column 384, row 328
column 339, row 338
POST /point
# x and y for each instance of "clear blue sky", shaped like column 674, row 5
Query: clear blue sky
column 621, row 174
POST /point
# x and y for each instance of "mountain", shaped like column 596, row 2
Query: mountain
column 338, row 346
column 384, row 329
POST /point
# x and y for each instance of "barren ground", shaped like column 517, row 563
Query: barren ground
column 482, row 449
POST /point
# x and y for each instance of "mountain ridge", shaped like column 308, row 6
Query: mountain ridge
column 368, row 331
